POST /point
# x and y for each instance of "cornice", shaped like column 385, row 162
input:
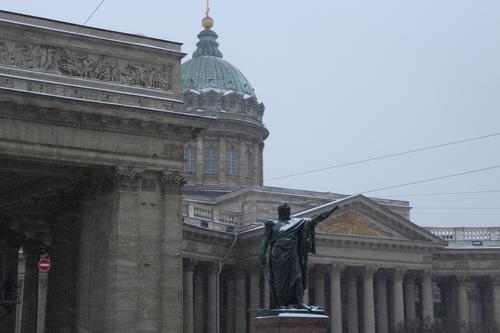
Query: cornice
column 96, row 122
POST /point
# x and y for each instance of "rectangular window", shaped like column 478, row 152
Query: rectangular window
column 249, row 160
column 189, row 160
column 231, row 162
column 211, row 160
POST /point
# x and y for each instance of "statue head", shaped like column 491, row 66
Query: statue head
column 284, row 211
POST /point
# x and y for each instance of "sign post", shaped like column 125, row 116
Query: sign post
column 44, row 264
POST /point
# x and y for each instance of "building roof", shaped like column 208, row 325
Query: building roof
column 208, row 70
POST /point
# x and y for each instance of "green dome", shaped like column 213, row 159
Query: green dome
column 207, row 70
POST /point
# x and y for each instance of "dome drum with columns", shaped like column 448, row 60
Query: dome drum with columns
column 229, row 153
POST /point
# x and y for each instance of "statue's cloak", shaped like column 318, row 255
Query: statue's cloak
column 290, row 244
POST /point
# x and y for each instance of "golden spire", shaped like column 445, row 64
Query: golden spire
column 207, row 21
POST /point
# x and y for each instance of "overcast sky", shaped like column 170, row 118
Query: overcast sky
column 348, row 80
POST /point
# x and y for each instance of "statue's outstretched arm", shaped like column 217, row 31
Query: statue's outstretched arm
column 265, row 242
column 317, row 219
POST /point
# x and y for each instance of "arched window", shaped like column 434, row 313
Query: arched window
column 249, row 163
column 231, row 156
column 211, row 101
column 189, row 159
column 211, row 160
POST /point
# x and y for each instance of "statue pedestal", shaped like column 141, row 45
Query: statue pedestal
column 291, row 321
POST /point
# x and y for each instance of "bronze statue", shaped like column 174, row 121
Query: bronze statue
column 290, row 240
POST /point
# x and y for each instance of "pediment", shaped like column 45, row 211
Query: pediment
column 359, row 216
column 354, row 223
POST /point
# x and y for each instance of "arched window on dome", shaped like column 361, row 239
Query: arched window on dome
column 210, row 160
column 211, row 101
column 189, row 159
column 189, row 100
column 250, row 172
column 231, row 157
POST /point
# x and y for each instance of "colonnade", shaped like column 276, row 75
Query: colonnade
column 23, row 291
column 358, row 299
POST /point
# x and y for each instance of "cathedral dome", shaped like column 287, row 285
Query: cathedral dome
column 208, row 71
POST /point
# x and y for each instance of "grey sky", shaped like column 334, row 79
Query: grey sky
column 348, row 80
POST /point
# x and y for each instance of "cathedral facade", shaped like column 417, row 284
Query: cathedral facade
column 141, row 179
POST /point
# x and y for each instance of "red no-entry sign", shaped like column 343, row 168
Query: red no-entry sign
column 44, row 264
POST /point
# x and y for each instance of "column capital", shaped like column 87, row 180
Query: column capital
column 171, row 181
column 125, row 178
column 321, row 268
column 427, row 274
column 337, row 268
column 462, row 278
column 189, row 265
column 369, row 271
column 398, row 273
column 212, row 267
column 495, row 279
column 239, row 272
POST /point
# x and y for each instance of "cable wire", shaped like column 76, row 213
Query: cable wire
column 457, row 208
column 432, row 179
column 385, row 156
column 436, row 193
column 95, row 11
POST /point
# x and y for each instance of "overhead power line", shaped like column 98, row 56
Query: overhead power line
column 458, row 208
column 385, row 156
column 95, row 11
column 436, row 193
column 432, row 179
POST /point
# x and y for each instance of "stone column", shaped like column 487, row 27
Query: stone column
column 85, row 270
column 306, row 296
column 319, row 286
column 352, row 303
column 307, row 301
column 43, row 282
column 212, row 298
column 335, row 298
column 241, row 310
column 267, row 293
column 259, row 163
column 409, row 286
column 397, row 297
column 463, row 301
column 381, row 309
column 254, row 295
column 199, row 299
column 242, row 159
column 222, row 160
column 231, row 304
column 495, row 279
column 188, row 297
column 121, row 273
column 21, row 274
column 199, row 160
column 427, row 299
column 172, row 183
column 9, row 265
column 368, row 302
column 28, row 283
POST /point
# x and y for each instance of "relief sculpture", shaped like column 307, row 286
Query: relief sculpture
column 57, row 60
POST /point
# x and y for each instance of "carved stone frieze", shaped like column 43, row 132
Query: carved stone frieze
column 54, row 60
column 462, row 265
column 352, row 223
column 494, row 265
